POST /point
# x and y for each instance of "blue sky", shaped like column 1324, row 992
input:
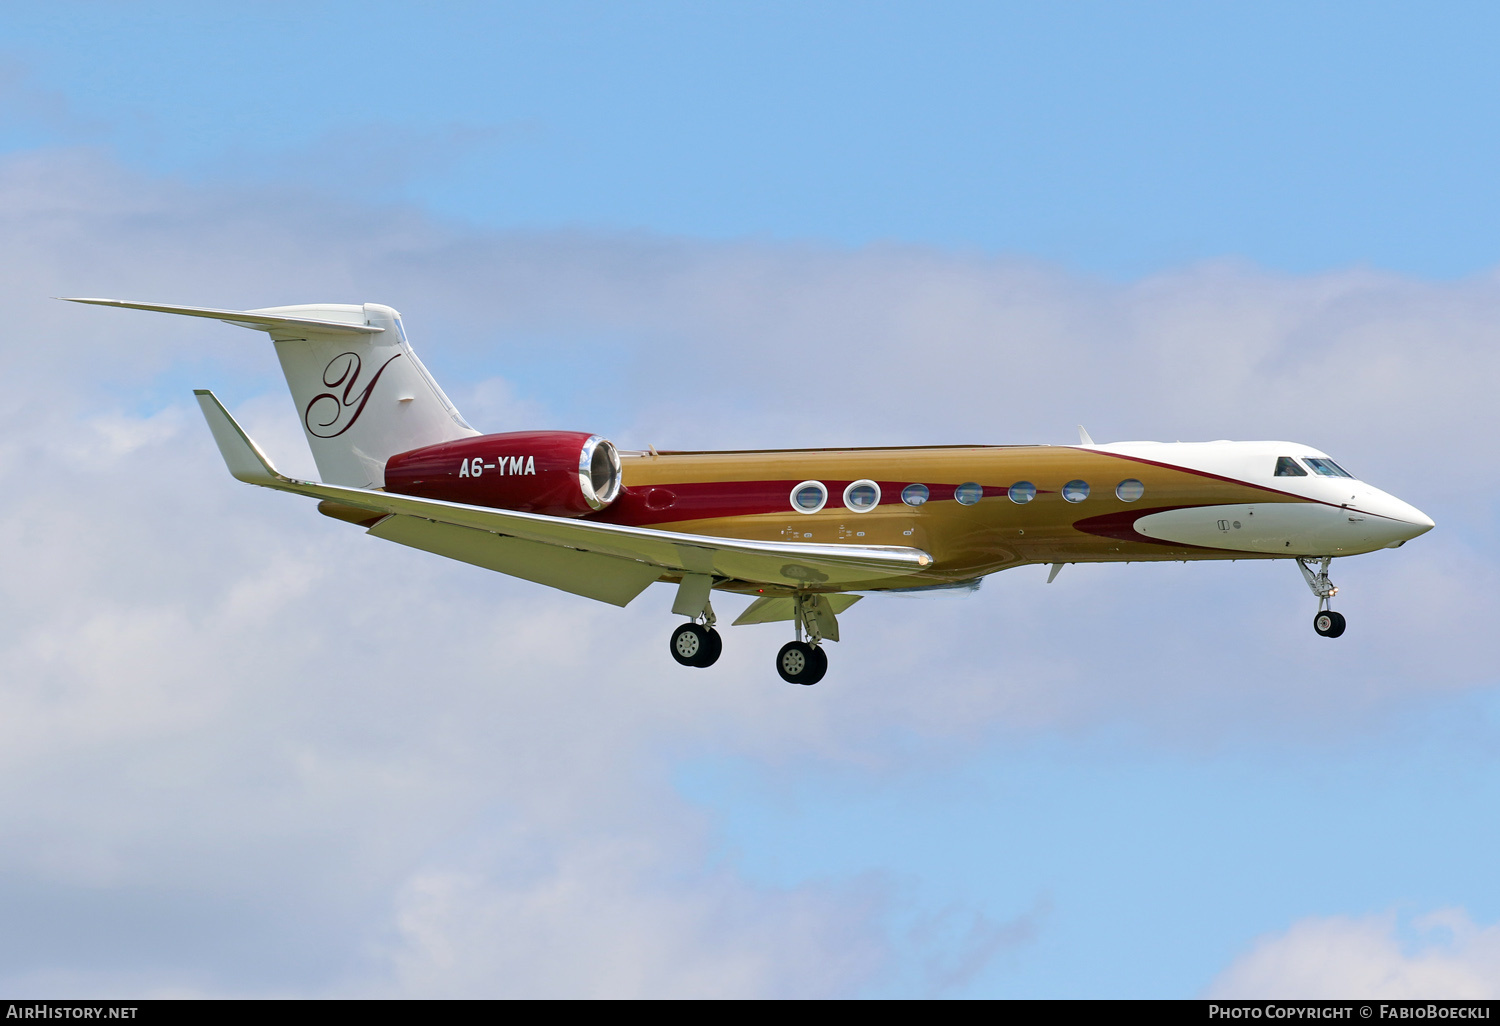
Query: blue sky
column 1115, row 139
column 1096, row 841
column 247, row 751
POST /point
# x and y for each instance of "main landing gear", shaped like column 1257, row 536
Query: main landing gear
column 695, row 644
column 1326, row 622
column 805, row 662
column 802, row 661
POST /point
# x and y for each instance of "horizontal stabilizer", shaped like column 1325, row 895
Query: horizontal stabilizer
column 260, row 320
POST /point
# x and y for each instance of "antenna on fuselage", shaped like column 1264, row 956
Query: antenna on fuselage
column 1083, row 436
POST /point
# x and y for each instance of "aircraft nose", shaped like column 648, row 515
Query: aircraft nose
column 1404, row 521
column 1419, row 522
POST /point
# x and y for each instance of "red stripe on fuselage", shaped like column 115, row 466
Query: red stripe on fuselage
column 1218, row 477
column 1121, row 525
column 1240, row 481
column 708, row 500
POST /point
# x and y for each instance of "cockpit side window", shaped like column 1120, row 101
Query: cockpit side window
column 1327, row 468
column 1287, row 467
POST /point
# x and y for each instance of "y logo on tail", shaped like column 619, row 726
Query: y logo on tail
column 344, row 370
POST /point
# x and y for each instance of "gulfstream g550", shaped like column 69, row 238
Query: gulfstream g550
column 803, row 531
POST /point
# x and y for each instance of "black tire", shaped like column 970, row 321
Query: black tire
column 689, row 644
column 713, row 644
column 1329, row 624
column 801, row 663
column 820, row 665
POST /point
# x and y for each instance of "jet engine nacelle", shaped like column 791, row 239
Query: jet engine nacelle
column 558, row 473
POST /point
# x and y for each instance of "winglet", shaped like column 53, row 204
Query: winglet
column 1083, row 436
column 241, row 455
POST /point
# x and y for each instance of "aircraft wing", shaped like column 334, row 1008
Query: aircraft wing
column 632, row 557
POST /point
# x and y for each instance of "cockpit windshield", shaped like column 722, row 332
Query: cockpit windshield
column 1325, row 467
column 1287, row 467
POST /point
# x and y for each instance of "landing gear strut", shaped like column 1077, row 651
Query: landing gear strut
column 697, row 643
column 1326, row 622
column 805, row 662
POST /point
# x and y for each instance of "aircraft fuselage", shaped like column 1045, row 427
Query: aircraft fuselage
column 1123, row 502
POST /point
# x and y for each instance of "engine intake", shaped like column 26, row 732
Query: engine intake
column 558, row 473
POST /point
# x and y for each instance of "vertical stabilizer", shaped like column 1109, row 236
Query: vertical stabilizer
column 361, row 398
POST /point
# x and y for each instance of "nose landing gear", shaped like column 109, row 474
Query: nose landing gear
column 1326, row 622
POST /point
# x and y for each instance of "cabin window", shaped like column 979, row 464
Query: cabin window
column 809, row 497
column 1327, row 468
column 1021, row 492
column 862, row 496
column 968, row 493
column 1287, row 467
column 1129, row 490
column 914, row 494
column 1076, row 491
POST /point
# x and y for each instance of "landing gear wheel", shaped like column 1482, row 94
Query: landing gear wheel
column 713, row 645
column 689, row 644
column 801, row 663
column 1329, row 624
column 696, row 645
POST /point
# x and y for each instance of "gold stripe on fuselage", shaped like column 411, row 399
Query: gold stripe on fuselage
column 964, row 541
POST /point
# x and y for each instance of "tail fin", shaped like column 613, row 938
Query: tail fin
column 361, row 392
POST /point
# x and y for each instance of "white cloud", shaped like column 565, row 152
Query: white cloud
column 604, row 921
column 248, row 750
column 1443, row 954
